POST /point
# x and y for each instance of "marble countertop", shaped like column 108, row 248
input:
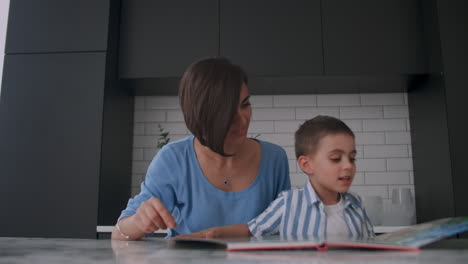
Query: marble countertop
column 158, row 250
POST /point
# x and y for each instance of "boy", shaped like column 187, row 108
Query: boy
column 325, row 151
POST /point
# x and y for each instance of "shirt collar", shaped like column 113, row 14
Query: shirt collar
column 313, row 198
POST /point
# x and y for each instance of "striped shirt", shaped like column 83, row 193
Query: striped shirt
column 300, row 212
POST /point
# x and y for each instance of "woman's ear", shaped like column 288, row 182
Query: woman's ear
column 305, row 163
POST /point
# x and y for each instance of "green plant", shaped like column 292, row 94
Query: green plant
column 163, row 138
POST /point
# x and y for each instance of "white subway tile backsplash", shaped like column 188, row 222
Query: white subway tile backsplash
column 400, row 164
column 137, row 154
column 358, row 178
column 355, row 125
column 361, row 112
column 368, row 190
column 138, row 129
column 371, row 165
column 273, row 114
column 258, row 127
column 385, row 151
column 306, row 113
column 150, row 116
column 162, row 102
column 338, row 100
column 294, row 100
column 139, row 102
column 292, row 166
column 360, row 151
column 137, row 179
column 397, row 137
column 369, row 138
column 175, row 116
column 177, row 128
column 379, row 121
column 139, row 167
column 261, row 101
column 298, row 179
column 284, row 140
column 290, row 153
column 384, row 125
column 287, row 126
column 145, row 141
column 383, row 99
column 149, row 153
column 396, row 112
column 378, row 178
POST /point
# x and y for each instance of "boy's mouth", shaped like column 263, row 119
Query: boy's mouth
column 345, row 179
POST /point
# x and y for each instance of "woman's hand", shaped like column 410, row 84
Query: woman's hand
column 149, row 217
column 152, row 215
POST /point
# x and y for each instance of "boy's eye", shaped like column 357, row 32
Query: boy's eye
column 336, row 159
column 352, row 160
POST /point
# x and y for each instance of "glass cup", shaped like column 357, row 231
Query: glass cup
column 373, row 204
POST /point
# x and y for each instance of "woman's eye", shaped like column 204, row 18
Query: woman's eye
column 246, row 104
column 336, row 159
column 352, row 160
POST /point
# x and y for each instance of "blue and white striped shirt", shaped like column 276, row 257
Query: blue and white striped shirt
column 300, row 212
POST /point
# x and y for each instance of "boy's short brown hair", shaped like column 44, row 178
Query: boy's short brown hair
column 209, row 97
column 309, row 134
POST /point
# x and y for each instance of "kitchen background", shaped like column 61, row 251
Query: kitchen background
column 380, row 122
column 81, row 99
column 3, row 26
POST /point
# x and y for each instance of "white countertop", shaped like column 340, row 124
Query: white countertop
column 377, row 229
column 158, row 250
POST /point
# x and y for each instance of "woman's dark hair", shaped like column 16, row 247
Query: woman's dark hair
column 209, row 97
column 310, row 133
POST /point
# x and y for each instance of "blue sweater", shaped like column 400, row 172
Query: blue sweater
column 175, row 177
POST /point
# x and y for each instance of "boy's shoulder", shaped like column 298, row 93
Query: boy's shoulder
column 354, row 198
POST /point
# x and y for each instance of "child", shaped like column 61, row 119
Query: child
column 325, row 151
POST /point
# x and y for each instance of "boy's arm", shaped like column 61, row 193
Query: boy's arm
column 240, row 230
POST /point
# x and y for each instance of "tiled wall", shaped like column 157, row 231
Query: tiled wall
column 380, row 122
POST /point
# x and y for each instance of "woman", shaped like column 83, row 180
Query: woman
column 216, row 177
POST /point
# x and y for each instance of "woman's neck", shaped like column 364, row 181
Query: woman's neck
column 218, row 160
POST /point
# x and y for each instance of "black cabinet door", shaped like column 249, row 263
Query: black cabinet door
column 57, row 26
column 161, row 38
column 50, row 142
column 372, row 37
column 270, row 38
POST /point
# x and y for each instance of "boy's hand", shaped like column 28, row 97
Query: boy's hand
column 214, row 232
column 241, row 230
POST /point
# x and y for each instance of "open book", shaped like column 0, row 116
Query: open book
column 409, row 239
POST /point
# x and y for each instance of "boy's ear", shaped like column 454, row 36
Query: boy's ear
column 305, row 163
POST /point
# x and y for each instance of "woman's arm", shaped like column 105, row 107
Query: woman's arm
column 150, row 216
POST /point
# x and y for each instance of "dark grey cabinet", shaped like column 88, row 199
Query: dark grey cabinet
column 373, row 37
column 50, row 131
column 57, row 26
column 161, row 38
column 272, row 38
column 65, row 120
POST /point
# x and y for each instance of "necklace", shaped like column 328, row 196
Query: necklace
column 226, row 181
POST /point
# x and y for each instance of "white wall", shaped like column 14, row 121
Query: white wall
column 4, row 6
column 380, row 122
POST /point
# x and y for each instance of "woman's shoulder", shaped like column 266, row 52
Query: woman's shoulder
column 271, row 148
column 179, row 145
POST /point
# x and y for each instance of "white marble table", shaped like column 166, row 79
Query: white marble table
column 157, row 250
